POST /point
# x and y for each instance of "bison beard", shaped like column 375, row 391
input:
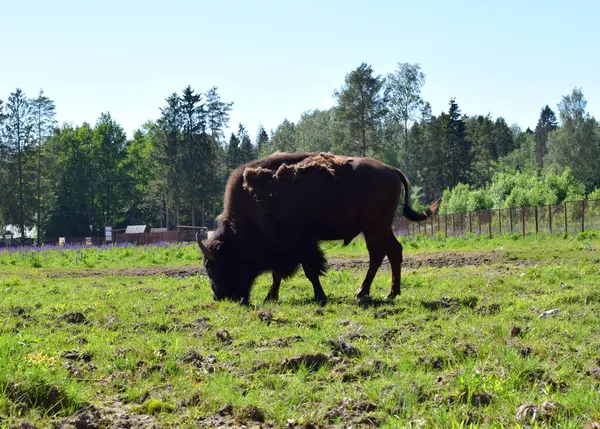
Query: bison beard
column 277, row 209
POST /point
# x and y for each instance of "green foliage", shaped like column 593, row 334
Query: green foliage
column 546, row 124
column 283, row 140
column 16, row 149
column 565, row 186
column 262, row 139
column 173, row 170
column 247, row 151
column 594, row 195
column 479, row 199
column 456, row 200
column 314, row 131
column 405, row 107
column 576, row 144
column 513, row 190
column 361, row 108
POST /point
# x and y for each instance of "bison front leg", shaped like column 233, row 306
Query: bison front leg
column 273, row 295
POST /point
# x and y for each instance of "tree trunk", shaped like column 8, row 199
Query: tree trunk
column 21, row 201
column 39, row 187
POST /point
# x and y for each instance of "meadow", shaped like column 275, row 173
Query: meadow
column 500, row 332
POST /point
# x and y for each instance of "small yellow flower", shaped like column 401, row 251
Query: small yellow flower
column 40, row 359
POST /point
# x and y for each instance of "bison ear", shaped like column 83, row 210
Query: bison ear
column 256, row 180
column 208, row 254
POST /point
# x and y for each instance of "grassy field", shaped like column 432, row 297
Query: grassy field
column 512, row 342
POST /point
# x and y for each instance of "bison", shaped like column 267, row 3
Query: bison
column 278, row 208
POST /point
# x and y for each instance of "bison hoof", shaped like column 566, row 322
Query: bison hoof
column 321, row 300
column 392, row 295
column 361, row 293
column 270, row 298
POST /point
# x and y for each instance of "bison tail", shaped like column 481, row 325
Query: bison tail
column 408, row 211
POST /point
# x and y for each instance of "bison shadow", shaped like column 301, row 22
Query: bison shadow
column 364, row 303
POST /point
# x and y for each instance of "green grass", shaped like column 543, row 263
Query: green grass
column 461, row 346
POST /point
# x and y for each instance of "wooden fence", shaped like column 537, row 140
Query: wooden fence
column 570, row 218
column 149, row 237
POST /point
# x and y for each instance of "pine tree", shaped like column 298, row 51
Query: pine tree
column 546, row 124
column 283, row 139
column 479, row 133
column 196, row 164
column 4, row 173
column 262, row 139
column 503, row 141
column 361, row 106
column 233, row 152
column 43, row 123
column 217, row 114
column 458, row 147
column 168, row 149
column 247, row 152
column 71, row 213
column 314, row 131
column 18, row 138
column 108, row 152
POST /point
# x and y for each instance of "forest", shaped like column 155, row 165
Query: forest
column 74, row 179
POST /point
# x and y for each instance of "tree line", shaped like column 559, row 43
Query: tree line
column 72, row 180
column 386, row 117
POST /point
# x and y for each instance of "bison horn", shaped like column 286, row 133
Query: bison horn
column 208, row 254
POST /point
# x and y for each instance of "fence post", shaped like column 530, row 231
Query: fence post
column 490, row 217
column 471, row 222
column 566, row 224
column 536, row 220
column 479, row 220
column 582, row 215
column 550, row 216
column 523, row 220
column 511, row 222
column 438, row 219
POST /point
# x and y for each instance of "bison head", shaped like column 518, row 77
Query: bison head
column 227, row 273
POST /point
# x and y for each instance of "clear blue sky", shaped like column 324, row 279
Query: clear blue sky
column 276, row 59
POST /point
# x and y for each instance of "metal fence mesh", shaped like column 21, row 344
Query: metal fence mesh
column 570, row 218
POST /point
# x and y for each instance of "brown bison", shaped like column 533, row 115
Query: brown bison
column 277, row 209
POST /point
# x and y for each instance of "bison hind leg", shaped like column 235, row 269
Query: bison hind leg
column 315, row 265
column 273, row 295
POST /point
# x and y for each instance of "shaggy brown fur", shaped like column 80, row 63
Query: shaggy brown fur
column 332, row 164
column 262, row 182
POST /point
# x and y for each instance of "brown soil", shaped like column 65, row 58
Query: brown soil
column 411, row 261
column 107, row 416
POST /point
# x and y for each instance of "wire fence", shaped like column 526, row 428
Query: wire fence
column 569, row 218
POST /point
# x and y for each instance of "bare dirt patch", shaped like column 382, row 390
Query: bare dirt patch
column 106, row 416
column 436, row 260
column 353, row 412
column 411, row 261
